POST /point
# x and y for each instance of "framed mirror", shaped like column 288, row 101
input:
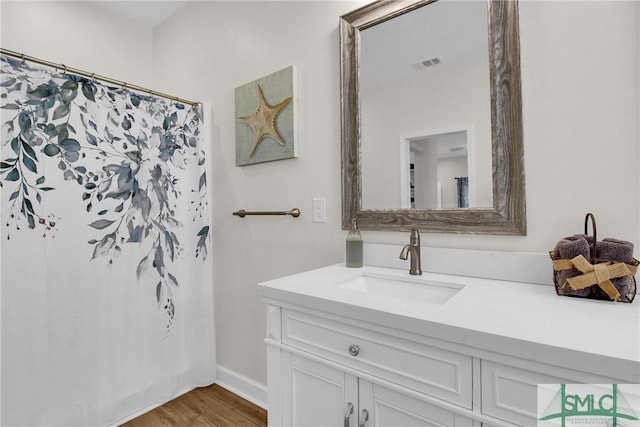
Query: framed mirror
column 458, row 167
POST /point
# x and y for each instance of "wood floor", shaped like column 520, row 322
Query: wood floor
column 211, row 406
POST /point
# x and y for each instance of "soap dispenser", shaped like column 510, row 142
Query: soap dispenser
column 354, row 246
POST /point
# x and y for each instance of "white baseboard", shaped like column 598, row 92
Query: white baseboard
column 244, row 387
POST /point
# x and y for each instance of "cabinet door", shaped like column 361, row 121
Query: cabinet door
column 389, row 408
column 319, row 394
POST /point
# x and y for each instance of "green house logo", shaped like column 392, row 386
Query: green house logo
column 609, row 408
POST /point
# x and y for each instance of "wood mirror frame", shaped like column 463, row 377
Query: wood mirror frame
column 508, row 214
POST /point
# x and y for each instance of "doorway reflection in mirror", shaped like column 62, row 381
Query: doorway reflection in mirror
column 434, row 163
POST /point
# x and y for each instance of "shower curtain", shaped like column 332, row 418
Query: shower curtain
column 106, row 292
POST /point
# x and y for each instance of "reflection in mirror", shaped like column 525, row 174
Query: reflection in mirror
column 428, row 69
column 436, row 169
column 377, row 143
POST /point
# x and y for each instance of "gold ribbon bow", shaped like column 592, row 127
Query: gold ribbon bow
column 598, row 274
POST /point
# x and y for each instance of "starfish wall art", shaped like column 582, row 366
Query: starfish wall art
column 265, row 119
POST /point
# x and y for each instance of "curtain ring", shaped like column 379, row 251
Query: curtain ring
column 64, row 69
column 124, row 85
column 93, row 77
column 23, row 60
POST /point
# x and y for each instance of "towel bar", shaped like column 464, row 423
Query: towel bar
column 295, row 212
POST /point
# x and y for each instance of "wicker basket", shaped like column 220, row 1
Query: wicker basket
column 600, row 279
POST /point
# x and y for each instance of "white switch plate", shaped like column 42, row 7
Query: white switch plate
column 319, row 209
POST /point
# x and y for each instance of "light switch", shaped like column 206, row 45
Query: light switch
column 319, row 209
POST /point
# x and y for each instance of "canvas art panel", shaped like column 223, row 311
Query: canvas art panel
column 265, row 112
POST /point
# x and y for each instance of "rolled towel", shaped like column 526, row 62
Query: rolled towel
column 615, row 250
column 569, row 248
column 572, row 246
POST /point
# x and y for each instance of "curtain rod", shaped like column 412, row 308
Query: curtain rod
column 93, row 76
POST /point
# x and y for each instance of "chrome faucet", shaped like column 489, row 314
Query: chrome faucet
column 413, row 250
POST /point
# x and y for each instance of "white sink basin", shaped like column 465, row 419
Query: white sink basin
column 411, row 289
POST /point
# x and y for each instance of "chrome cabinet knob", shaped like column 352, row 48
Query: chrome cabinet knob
column 354, row 350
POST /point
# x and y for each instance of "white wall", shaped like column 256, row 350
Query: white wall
column 204, row 52
column 80, row 35
column 581, row 94
column 580, row 119
column 580, row 112
column 581, row 73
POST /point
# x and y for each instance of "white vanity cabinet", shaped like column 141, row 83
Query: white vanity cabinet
column 322, row 395
column 333, row 354
column 327, row 371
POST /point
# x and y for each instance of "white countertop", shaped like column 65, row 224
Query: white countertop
column 518, row 319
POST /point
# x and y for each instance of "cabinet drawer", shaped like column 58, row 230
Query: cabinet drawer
column 511, row 393
column 439, row 373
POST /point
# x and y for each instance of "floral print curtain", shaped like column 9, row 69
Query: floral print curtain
column 107, row 299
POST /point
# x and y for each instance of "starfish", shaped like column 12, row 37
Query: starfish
column 263, row 121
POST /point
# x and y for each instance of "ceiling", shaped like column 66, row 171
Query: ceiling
column 453, row 31
column 146, row 12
